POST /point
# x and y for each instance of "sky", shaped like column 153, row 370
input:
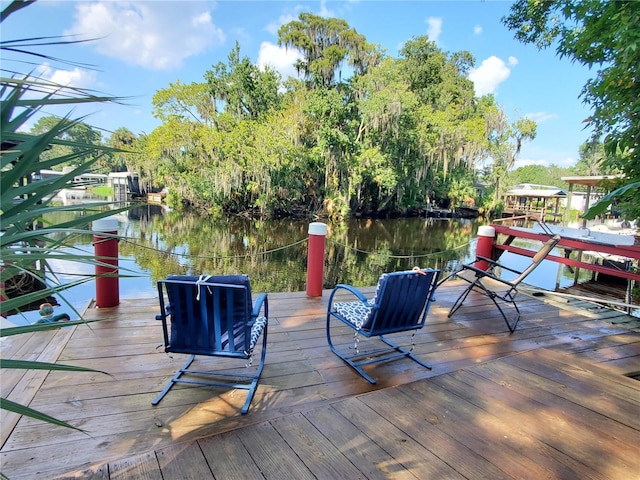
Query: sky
column 144, row 46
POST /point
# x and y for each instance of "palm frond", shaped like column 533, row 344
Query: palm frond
column 14, row 7
column 12, row 406
column 31, row 365
column 28, row 242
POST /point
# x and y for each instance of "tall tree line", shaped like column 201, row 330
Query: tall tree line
column 394, row 135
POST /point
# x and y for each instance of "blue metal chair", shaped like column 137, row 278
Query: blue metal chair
column 213, row 316
column 401, row 303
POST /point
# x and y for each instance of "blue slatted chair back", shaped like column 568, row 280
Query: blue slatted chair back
column 209, row 315
column 402, row 302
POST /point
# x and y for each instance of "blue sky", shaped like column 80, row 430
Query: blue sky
column 144, row 46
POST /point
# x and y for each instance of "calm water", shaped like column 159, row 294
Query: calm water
column 273, row 253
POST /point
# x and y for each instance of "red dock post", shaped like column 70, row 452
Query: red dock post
column 484, row 247
column 315, row 259
column 106, row 251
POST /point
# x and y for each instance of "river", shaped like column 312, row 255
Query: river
column 157, row 242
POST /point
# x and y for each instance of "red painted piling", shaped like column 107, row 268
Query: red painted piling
column 315, row 258
column 484, row 247
column 106, row 251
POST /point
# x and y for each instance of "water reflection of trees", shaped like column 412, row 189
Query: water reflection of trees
column 364, row 250
column 357, row 251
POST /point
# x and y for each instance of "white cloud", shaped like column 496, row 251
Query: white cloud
column 324, row 11
column 279, row 58
column 140, row 34
column 77, row 77
column 203, row 18
column 540, row 117
column 477, row 30
column 491, row 73
column 435, row 28
column 513, row 61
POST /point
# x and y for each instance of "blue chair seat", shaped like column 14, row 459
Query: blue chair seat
column 355, row 312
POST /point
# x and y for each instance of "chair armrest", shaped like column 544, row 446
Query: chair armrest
column 486, row 259
column 350, row 289
column 165, row 313
column 260, row 302
column 482, row 273
column 494, row 264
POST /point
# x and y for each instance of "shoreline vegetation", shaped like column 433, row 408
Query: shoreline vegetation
column 358, row 133
column 396, row 137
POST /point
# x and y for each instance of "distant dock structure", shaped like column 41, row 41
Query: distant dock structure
column 126, row 186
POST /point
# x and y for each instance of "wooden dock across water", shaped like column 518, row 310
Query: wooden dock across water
column 556, row 399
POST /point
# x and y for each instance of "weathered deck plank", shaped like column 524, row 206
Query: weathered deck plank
column 495, row 405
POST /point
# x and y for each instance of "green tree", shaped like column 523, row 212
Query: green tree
column 462, row 190
column 452, row 130
column 538, row 174
column 245, row 91
column 191, row 102
column 505, row 144
column 325, row 43
column 602, row 34
column 593, row 160
column 124, row 141
column 78, row 136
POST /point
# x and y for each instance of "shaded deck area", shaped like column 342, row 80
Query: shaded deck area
column 556, row 399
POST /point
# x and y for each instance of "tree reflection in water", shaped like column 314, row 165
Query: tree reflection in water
column 274, row 252
column 157, row 243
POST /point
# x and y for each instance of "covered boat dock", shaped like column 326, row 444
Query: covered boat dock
column 531, row 199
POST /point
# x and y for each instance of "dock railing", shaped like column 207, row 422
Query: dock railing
column 579, row 240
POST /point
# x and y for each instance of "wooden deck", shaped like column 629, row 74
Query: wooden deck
column 553, row 400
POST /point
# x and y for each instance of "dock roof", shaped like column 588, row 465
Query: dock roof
column 536, row 191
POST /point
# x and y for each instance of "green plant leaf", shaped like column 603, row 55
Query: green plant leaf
column 28, row 242
column 11, row 406
column 38, row 327
column 33, row 365
column 603, row 204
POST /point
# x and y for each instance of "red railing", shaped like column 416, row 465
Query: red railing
column 569, row 245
